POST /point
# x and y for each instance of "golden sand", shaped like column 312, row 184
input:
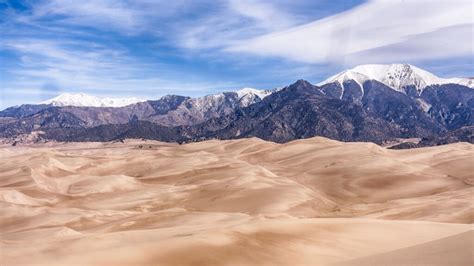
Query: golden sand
column 241, row 202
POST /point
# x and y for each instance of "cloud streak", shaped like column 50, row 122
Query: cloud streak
column 233, row 20
column 376, row 26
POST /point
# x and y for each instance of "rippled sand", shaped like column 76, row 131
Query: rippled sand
column 242, row 202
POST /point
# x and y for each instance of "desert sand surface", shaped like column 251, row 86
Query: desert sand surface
column 239, row 202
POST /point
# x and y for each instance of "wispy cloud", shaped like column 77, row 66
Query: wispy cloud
column 90, row 66
column 90, row 13
column 413, row 29
column 233, row 21
column 124, row 16
column 265, row 15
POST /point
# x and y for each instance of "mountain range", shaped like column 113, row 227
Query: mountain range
column 377, row 103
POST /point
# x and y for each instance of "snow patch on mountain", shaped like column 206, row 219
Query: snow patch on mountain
column 246, row 97
column 249, row 96
column 251, row 91
column 85, row 100
column 468, row 82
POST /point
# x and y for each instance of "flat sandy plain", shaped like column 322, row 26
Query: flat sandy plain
column 240, row 202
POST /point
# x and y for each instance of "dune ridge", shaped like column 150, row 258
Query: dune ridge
column 307, row 202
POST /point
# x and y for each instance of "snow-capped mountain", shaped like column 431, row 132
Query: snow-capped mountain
column 85, row 100
column 246, row 96
column 396, row 76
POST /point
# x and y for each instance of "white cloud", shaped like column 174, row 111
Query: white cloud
column 408, row 26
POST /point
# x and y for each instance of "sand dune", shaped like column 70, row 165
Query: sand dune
column 307, row 202
column 451, row 250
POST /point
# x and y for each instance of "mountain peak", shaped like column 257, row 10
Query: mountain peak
column 396, row 76
column 85, row 100
column 302, row 82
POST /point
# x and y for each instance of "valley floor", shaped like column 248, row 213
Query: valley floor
column 240, row 202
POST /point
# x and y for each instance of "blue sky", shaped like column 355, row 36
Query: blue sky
column 149, row 48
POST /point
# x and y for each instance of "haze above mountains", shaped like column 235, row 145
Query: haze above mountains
column 377, row 103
